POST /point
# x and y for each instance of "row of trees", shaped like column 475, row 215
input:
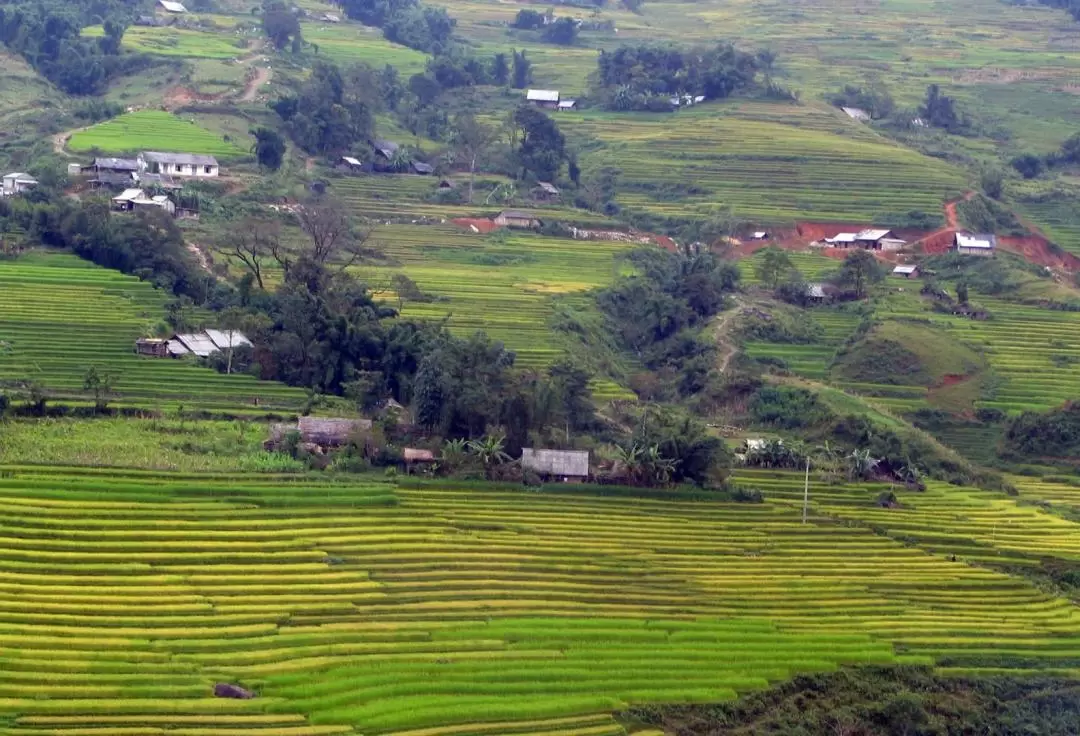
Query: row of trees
column 776, row 271
column 409, row 22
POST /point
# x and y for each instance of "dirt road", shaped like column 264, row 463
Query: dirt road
column 255, row 83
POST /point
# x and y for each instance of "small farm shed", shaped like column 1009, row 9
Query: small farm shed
column 385, row 149
column 841, row 240
column 331, row 18
column 125, row 201
column 419, row 167
column 759, row 235
column 907, row 272
column 180, row 164
column 546, row 98
column 158, row 201
column 350, row 164
column 856, row 113
column 567, row 104
column 545, row 191
column 112, row 165
column 563, row 464
column 112, row 180
column 819, row 293
column 875, row 239
column 152, row 346
column 196, row 343
column 226, row 339
column 171, row 6
column 975, row 245
column 17, row 183
column 517, row 219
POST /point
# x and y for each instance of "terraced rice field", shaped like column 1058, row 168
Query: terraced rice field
column 151, row 130
column 178, row 42
column 1018, row 341
column 358, row 607
column 772, row 163
column 352, row 43
column 60, row 315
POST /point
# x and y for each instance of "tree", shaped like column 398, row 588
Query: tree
column 471, row 140
column 773, row 265
column 563, row 31
column 331, row 233
column 861, row 464
column 269, row 147
column 939, row 111
column 489, row 451
column 529, row 20
column 99, row 383
column 962, row 292
column 992, row 182
column 254, row 241
column 280, row 25
column 522, row 72
column 541, row 147
column 500, row 70
column 861, row 269
column 1029, row 165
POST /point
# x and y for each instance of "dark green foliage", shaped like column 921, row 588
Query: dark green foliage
column 562, row 31
column 1029, row 165
column 984, row 215
column 939, row 111
column 529, row 20
column 269, row 148
column 47, row 34
column 994, row 276
column 329, row 113
column 522, row 73
column 860, row 270
column 786, row 325
column 698, row 456
column 874, row 99
column 147, row 244
column 773, row 265
column 1053, row 434
column 787, row 408
column 883, row 701
column 500, row 70
column 540, row 145
column 644, row 77
column 280, row 25
column 408, row 22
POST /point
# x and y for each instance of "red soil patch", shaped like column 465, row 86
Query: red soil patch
column 952, row 379
column 1038, row 249
column 811, row 231
column 484, row 226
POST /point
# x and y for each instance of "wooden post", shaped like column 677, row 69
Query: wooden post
column 806, row 491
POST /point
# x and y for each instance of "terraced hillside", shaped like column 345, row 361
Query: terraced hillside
column 364, row 608
column 60, row 316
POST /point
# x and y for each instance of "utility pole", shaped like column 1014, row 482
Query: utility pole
column 806, row 491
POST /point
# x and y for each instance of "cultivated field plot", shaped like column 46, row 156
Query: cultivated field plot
column 151, row 130
column 364, row 608
column 60, row 315
column 183, row 42
column 502, row 285
column 770, row 162
column 353, row 43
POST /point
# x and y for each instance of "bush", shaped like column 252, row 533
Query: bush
column 747, row 495
column 787, row 408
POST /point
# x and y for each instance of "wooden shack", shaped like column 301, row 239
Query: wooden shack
column 564, row 465
column 152, row 346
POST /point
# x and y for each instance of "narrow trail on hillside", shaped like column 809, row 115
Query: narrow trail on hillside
column 60, row 141
column 200, row 256
column 262, row 75
column 724, row 339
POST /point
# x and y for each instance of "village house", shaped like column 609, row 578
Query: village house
column 108, row 165
column 152, row 346
column 565, row 465
column 974, row 245
column 821, row 293
column 423, row 169
column 384, row 149
column 907, row 272
column 877, row 240
column 206, row 343
column 841, row 240
column 414, row 456
column 545, row 191
column 567, row 104
column 545, row 98
column 137, row 199
column 171, row 6
column 17, row 183
column 179, row 164
column 517, row 219
column 856, row 113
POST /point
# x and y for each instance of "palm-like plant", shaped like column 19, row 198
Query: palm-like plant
column 628, row 462
column 861, row 464
column 454, row 454
column 489, row 450
column 658, row 469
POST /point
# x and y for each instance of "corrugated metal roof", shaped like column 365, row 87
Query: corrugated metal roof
column 172, row 6
column 548, row 187
column 967, row 240
column 351, row 161
column 905, row 270
column 414, row 455
column 856, row 113
column 327, row 432
column 421, row 168
column 198, row 343
column 177, row 348
column 542, row 95
column 184, row 159
column 873, row 234
column 567, row 104
column 387, row 148
column 517, row 215
column 20, row 176
column 228, row 338
column 816, row 291
column 572, row 463
column 117, row 164
column 129, row 195
column 841, row 238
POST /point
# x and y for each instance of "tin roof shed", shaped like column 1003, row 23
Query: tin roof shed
column 570, row 463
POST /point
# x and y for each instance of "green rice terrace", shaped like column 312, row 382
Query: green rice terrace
column 362, row 607
column 152, row 130
column 60, row 315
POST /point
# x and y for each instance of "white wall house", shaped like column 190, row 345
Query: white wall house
column 974, row 245
column 17, row 183
column 179, row 164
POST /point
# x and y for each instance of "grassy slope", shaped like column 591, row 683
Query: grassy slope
column 153, row 130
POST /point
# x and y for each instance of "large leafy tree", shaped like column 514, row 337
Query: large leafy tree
column 539, row 144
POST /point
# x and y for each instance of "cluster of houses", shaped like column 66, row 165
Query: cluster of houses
column 150, row 171
column 382, row 160
column 200, row 344
column 870, row 239
column 548, row 99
